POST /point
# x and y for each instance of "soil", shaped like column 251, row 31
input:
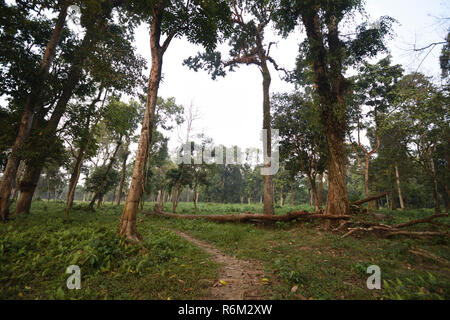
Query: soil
column 238, row 279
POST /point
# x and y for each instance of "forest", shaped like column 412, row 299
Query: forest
column 102, row 174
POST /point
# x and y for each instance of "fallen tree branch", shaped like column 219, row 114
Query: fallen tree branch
column 415, row 233
column 246, row 217
column 429, row 255
column 413, row 222
column 375, row 197
column 371, row 228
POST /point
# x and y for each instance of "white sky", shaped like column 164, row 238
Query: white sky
column 231, row 107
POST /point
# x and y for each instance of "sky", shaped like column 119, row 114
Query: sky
column 230, row 108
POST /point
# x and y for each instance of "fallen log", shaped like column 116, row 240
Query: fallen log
column 383, row 228
column 415, row 233
column 427, row 219
column 375, row 197
column 429, row 255
column 249, row 217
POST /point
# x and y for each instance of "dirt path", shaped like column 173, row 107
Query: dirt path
column 243, row 278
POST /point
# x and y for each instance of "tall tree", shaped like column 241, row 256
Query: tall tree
column 100, row 54
column 199, row 22
column 121, row 120
column 249, row 19
column 32, row 101
column 329, row 51
column 374, row 89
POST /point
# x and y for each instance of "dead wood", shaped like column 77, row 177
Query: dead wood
column 413, row 222
column 429, row 255
column 249, row 217
column 415, row 233
column 375, row 197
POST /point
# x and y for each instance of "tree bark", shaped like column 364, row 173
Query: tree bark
column 320, row 191
column 19, row 177
column 50, row 128
column 314, row 197
column 26, row 120
column 372, row 198
column 114, row 195
column 267, row 148
column 250, row 217
column 331, row 87
column 127, row 226
column 399, row 189
column 196, row 197
column 27, row 187
column 437, row 205
column 122, row 179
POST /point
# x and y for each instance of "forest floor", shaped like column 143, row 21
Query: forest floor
column 238, row 279
column 187, row 259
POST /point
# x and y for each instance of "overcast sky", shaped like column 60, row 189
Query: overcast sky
column 231, row 108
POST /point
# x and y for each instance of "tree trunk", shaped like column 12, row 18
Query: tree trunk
column 366, row 180
column 79, row 161
column 127, row 226
column 27, row 187
column 48, row 188
column 26, row 120
column 337, row 197
column 320, row 191
column 244, row 217
column 315, row 200
column 176, row 197
column 400, row 197
column 114, row 196
column 19, row 177
column 122, row 179
column 108, row 169
column 292, row 195
column 50, row 128
column 267, row 147
column 437, row 205
column 331, row 87
column 196, row 197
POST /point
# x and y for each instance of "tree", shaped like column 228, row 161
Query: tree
column 426, row 111
column 104, row 58
column 101, row 180
column 303, row 141
column 444, row 58
column 199, row 22
column 374, row 88
column 121, row 120
column 327, row 51
column 248, row 47
column 26, row 120
column 178, row 179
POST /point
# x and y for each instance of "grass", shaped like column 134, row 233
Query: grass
column 35, row 250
